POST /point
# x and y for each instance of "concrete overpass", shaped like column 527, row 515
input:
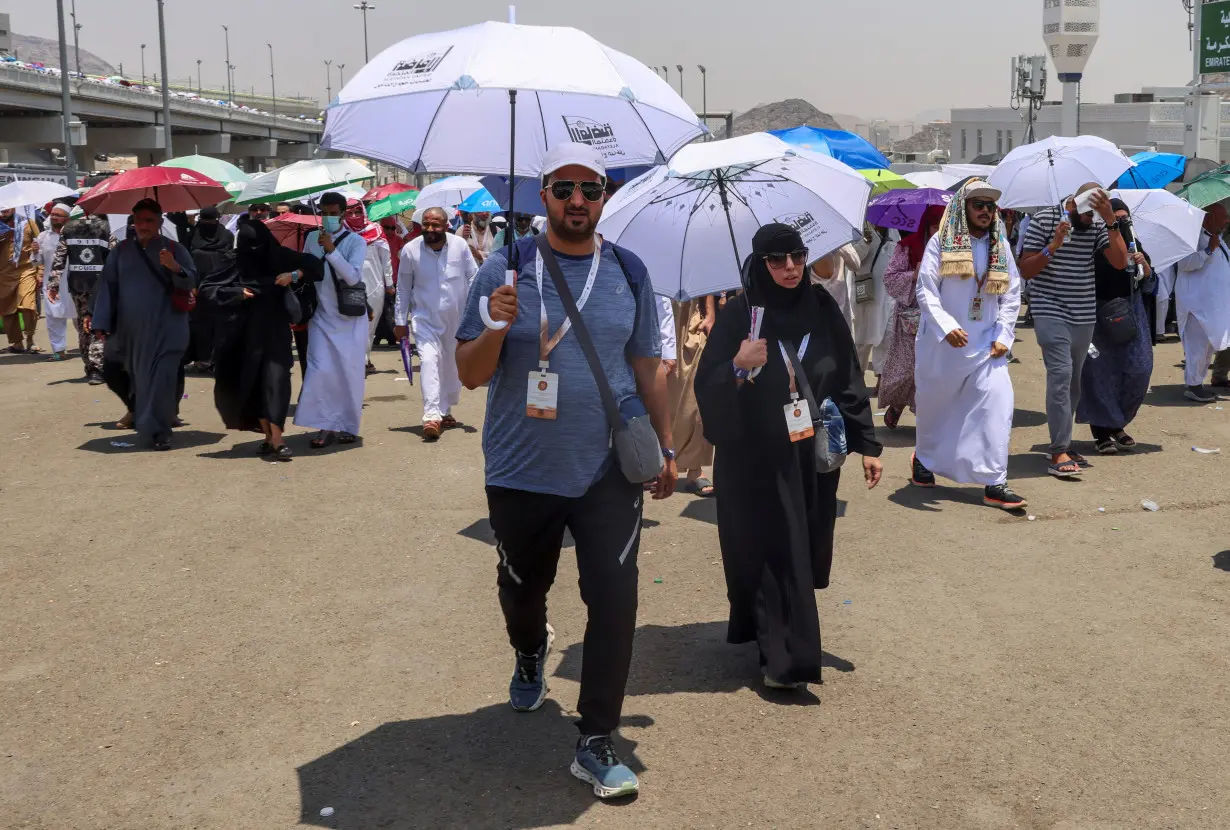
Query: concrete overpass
column 123, row 121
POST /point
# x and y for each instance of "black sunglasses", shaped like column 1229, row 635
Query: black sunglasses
column 979, row 204
column 592, row 191
column 798, row 257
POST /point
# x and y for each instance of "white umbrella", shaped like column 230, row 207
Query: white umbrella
column 1047, row 171
column 32, row 192
column 937, row 179
column 448, row 192
column 964, row 171
column 302, row 178
column 435, row 102
column 693, row 222
column 1167, row 227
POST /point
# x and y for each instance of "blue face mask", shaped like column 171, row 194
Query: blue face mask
column 332, row 224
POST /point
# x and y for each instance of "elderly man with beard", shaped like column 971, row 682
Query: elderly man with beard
column 477, row 232
column 1059, row 259
column 433, row 279
column 549, row 461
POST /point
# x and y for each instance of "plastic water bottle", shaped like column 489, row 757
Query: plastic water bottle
column 1132, row 267
column 1094, row 354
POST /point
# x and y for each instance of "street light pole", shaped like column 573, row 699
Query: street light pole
column 230, row 88
column 666, row 74
column 679, row 66
column 365, row 7
column 341, row 77
column 273, row 84
column 199, row 88
column 704, row 98
column 328, row 83
column 142, row 63
column 66, row 103
column 166, row 91
column 76, row 42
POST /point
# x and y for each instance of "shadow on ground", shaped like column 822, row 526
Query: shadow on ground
column 181, row 439
column 1171, row 395
column 902, row 437
column 696, row 659
column 1028, row 418
column 493, row 768
column 933, row 499
column 417, row 430
column 1221, row 561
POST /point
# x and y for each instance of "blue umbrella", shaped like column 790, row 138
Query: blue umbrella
column 481, row 201
column 1153, row 171
column 847, row 148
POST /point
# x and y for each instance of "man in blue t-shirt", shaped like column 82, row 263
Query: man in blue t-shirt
column 549, row 461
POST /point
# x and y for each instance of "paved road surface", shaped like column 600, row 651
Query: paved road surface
column 200, row 639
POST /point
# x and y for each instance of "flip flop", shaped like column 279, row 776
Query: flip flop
column 1080, row 460
column 1066, row 469
column 15, row 350
column 346, row 438
column 698, row 487
column 323, row 439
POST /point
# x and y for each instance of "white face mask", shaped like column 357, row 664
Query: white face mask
column 331, row 224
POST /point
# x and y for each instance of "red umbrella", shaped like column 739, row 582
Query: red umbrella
column 384, row 190
column 175, row 188
column 290, row 228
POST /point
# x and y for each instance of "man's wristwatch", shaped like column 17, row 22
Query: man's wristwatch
column 1114, row 226
column 668, row 454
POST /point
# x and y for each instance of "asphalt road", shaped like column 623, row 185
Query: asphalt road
column 201, row 639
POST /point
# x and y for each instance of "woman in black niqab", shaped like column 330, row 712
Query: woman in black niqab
column 776, row 514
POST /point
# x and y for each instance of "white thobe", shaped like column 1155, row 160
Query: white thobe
column 871, row 319
column 666, row 326
column 58, row 313
column 964, row 396
column 841, row 285
column 377, row 278
column 332, row 393
column 432, row 287
column 1202, row 303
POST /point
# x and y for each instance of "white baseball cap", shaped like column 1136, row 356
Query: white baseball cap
column 978, row 189
column 573, row 152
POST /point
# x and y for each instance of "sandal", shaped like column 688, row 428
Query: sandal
column 1080, row 460
column 55, row 356
column 701, row 486
column 1105, row 446
column 323, row 439
column 33, row 349
column 346, row 438
column 448, row 422
column 125, row 422
column 1064, row 469
column 265, row 448
column 892, row 416
column 1124, row 440
column 15, row 350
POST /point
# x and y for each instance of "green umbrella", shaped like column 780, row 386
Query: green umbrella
column 389, row 205
column 230, row 176
column 883, row 181
column 1208, row 188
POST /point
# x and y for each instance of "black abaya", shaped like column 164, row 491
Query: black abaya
column 211, row 246
column 776, row 515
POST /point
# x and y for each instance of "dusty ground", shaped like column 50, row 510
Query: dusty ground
column 199, row 639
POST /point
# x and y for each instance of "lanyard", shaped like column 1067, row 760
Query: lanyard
column 544, row 345
column 790, row 364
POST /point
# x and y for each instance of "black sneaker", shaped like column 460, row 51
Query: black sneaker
column 528, row 688
column 920, row 476
column 94, row 378
column 1199, row 394
column 1002, row 497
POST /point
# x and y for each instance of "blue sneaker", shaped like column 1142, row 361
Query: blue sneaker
column 596, row 763
column 528, row 688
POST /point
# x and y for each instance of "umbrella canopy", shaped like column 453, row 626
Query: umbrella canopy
column 1196, row 167
column 303, row 178
column 965, row 171
column 174, row 188
column 480, row 201
column 392, row 204
column 290, row 228
column 693, row 222
column 1048, row 171
column 231, row 177
column 32, row 192
column 431, row 102
column 1167, row 227
column 883, row 181
column 1153, row 170
column 448, row 192
column 529, row 192
column 937, row 179
column 1208, row 188
column 988, row 159
column 848, row 148
column 904, row 209
column 385, row 190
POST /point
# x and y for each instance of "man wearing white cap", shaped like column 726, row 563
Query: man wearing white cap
column 969, row 293
column 549, row 461
column 60, row 310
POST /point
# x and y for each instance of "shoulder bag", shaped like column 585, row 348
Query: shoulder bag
column 351, row 299
column 1116, row 318
column 829, row 442
column 182, row 299
column 636, row 443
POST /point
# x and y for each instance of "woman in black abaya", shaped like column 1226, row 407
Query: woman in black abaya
column 252, row 353
column 776, row 515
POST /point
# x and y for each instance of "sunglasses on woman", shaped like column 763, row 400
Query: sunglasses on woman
column 592, row 191
column 798, row 257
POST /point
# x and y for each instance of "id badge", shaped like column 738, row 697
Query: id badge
column 542, row 395
column 798, row 420
column 975, row 309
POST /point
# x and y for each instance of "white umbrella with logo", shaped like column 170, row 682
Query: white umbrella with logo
column 1050, row 170
column 692, row 222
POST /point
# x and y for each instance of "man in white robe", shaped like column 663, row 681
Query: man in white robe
column 331, row 400
column 61, row 310
column 433, row 281
column 964, row 393
column 1202, row 298
column 872, row 304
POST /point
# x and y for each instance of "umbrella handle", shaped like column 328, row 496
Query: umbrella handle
column 510, row 278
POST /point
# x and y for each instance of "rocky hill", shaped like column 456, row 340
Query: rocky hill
column 33, row 49
column 780, row 115
column 934, row 136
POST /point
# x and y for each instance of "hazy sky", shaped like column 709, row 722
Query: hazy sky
column 872, row 58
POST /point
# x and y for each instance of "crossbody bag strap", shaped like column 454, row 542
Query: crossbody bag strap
column 578, row 328
column 155, row 270
column 800, row 378
column 325, row 259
